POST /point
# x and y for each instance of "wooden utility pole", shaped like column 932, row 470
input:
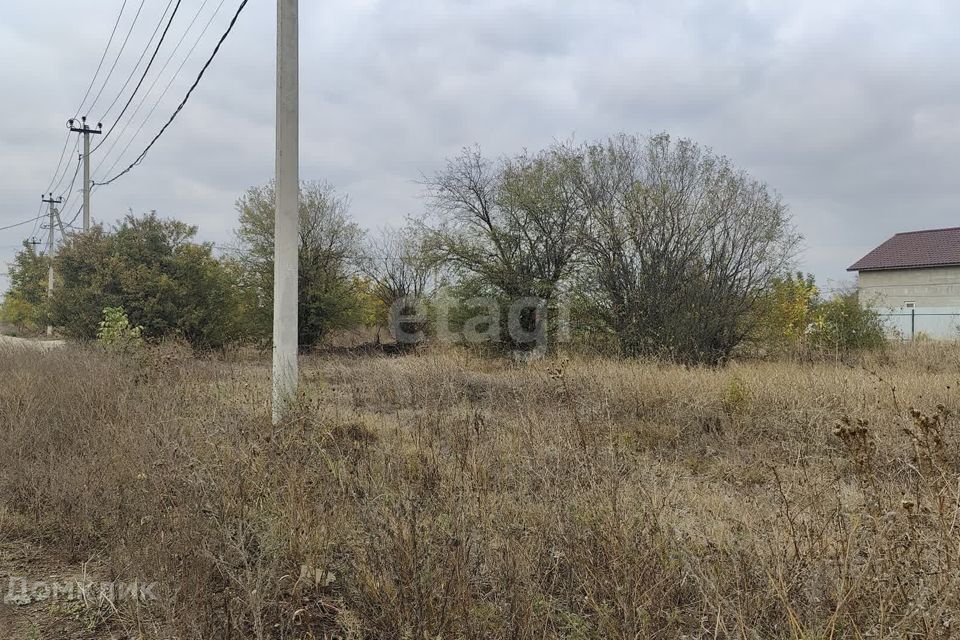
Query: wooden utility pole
column 87, row 132
column 287, row 219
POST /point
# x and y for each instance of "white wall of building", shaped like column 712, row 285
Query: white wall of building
column 915, row 302
column 932, row 287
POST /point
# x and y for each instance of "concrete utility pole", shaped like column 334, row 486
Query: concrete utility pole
column 87, row 132
column 53, row 214
column 287, row 218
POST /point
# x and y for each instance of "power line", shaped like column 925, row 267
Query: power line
column 143, row 100
column 56, row 172
column 123, row 46
column 74, row 218
column 58, row 178
column 183, row 103
column 145, row 71
column 33, row 231
column 136, row 66
column 66, row 168
column 69, row 192
column 20, row 224
column 166, row 89
column 103, row 57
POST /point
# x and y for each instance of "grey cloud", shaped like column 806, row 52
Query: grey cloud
column 850, row 110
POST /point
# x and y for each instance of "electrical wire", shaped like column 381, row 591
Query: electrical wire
column 66, row 168
column 63, row 153
column 123, row 46
column 166, row 89
column 59, row 177
column 143, row 100
column 143, row 76
column 33, row 231
column 20, row 224
column 74, row 218
column 70, row 192
column 103, row 57
column 183, row 103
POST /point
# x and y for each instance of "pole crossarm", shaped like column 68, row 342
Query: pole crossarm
column 83, row 128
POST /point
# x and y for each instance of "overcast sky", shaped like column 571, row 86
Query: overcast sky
column 851, row 110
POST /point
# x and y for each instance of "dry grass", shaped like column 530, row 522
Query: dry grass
column 445, row 496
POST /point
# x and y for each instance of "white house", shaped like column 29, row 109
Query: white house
column 913, row 279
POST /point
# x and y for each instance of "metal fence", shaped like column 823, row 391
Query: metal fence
column 922, row 322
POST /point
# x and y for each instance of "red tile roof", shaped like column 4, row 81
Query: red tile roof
column 932, row 248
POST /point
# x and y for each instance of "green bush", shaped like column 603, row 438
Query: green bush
column 20, row 313
column 115, row 331
column 330, row 244
column 785, row 314
column 843, row 324
column 25, row 303
column 166, row 283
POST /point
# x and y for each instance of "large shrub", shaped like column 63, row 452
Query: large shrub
column 330, row 246
column 785, row 314
column 25, row 302
column 843, row 324
column 167, row 284
column 792, row 319
column 510, row 232
column 681, row 246
column 665, row 247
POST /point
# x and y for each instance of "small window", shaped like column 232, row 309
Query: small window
column 910, row 305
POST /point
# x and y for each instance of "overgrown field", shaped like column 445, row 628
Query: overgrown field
column 445, row 496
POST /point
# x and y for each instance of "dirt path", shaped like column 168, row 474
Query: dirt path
column 9, row 341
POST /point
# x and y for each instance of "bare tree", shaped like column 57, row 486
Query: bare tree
column 680, row 246
column 397, row 266
column 509, row 227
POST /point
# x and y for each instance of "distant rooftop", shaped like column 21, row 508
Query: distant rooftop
column 914, row 249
